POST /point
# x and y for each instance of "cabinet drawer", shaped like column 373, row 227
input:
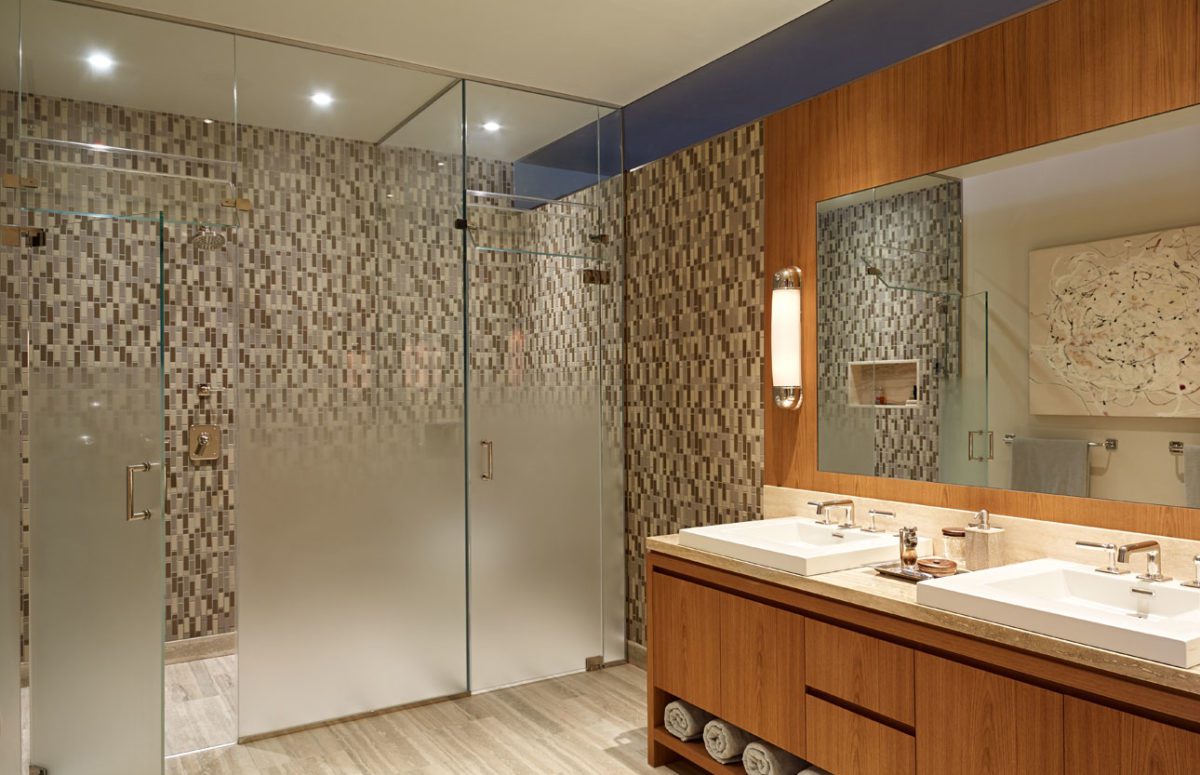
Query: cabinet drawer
column 840, row 740
column 864, row 671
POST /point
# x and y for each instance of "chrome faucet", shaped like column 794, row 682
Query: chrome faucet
column 1112, row 556
column 820, row 506
column 873, row 513
column 1151, row 548
column 1195, row 583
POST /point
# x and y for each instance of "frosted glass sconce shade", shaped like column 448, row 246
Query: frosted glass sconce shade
column 785, row 339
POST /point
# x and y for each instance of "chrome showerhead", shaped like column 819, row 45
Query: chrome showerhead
column 207, row 239
column 874, row 271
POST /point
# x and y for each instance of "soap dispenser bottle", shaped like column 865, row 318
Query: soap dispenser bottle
column 984, row 542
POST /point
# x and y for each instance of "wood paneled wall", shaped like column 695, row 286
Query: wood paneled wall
column 1062, row 69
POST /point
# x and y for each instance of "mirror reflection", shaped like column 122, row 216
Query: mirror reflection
column 1029, row 322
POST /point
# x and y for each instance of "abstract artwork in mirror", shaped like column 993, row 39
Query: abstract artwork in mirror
column 1112, row 326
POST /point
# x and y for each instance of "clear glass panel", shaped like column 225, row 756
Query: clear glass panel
column 544, row 230
column 13, row 312
column 95, row 408
column 350, row 503
column 127, row 116
column 965, row 394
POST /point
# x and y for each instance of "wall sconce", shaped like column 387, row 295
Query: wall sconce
column 785, row 339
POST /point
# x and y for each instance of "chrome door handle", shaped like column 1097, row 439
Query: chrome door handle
column 130, row 514
column 487, row 460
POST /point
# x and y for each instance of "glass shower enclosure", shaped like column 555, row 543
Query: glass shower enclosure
column 331, row 397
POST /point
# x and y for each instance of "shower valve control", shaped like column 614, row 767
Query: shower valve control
column 204, row 443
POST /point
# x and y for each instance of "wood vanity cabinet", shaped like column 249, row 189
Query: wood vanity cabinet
column 1101, row 739
column 860, row 692
column 762, row 671
column 973, row 722
column 685, row 640
column 736, row 658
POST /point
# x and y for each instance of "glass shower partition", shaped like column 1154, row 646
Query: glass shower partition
column 123, row 157
column 543, row 256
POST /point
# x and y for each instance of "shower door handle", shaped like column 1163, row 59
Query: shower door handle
column 130, row 514
column 488, row 449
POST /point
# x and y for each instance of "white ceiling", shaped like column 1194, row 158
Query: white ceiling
column 608, row 50
column 628, row 49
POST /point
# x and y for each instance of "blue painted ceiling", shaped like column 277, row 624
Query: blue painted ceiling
column 832, row 45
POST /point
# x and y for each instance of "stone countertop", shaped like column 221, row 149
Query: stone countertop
column 865, row 588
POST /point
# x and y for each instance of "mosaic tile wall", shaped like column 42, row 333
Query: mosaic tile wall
column 335, row 309
column 694, row 345
column 915, row 240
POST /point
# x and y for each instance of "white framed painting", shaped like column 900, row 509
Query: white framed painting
column 1114, row 326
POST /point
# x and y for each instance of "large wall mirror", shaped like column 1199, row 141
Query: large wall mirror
column 1028, row 322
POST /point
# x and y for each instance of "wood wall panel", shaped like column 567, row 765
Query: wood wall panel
column 1062, row 69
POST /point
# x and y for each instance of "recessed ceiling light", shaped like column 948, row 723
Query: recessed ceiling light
column 208, row 120
column 100, row 62
column 492, row 126
column 322, row 99
column 441, row 164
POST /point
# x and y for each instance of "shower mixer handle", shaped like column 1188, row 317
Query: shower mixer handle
column 204, row 390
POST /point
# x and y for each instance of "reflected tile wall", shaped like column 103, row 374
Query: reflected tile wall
column 915, row 239
column 694, row 345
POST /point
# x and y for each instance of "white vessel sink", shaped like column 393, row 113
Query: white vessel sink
column 797, row 544
column 1074, row 602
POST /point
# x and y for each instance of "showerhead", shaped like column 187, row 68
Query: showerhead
column 207, row 239
column 874, row 271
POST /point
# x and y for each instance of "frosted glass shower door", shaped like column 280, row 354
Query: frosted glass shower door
column 95, row 494
column 534, row 467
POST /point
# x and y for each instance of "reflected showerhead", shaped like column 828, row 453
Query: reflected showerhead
column 207, row 239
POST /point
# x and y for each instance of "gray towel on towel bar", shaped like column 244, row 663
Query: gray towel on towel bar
column 1059, row 466
column 684, row 720
column 725, row 742
column 1191, row 474
column 761, row 758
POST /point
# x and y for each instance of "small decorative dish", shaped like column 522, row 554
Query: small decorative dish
column 895, row 570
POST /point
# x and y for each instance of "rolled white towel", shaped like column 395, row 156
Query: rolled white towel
column 725, row 742
column 760, row 758
column 685, row 720
column 815, row 770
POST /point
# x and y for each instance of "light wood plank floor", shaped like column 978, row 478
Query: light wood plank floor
column 200, row 704
column 578, row 724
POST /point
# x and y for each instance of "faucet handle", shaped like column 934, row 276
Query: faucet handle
column 873, row 513
column 1195, row 583
column 820, row 507
column 1112, row 566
